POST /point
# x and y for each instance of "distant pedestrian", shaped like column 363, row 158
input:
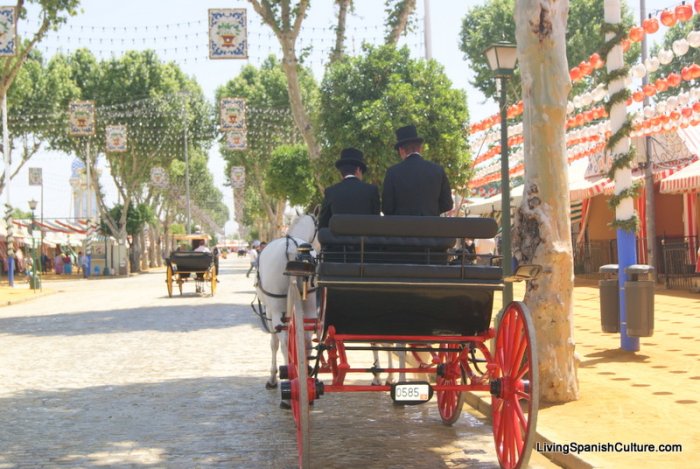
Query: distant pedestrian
column 253, row 257
column 84, row 267
column 58, row 263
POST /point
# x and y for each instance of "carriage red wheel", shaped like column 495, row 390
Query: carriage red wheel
column 450, row 403
column 515, row 387
column 298, row 374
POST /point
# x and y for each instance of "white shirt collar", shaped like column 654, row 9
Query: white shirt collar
column 350, row 176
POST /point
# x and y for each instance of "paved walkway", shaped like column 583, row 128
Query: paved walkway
column 651, row 397
column 635, row 399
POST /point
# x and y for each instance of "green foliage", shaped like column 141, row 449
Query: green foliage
column 493, row 22
column 269, row 125
column 289, row 175
column 136, row 218
column 365, row 99
column 19, row 214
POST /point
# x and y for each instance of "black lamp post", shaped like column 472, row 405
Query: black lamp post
column 502, row 58
column 34, row 282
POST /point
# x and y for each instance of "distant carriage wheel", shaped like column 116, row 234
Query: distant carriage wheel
column 298, row 374
column 515, row 387
column 169, row 280
column 450, row 403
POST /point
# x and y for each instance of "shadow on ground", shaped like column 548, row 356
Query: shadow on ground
column 228, row 422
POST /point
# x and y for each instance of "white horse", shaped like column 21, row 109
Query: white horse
column 272, row 285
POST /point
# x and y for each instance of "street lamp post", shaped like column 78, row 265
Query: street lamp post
column 34, row 281
column 502, row 58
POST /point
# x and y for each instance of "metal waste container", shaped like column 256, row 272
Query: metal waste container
column 609, row 299
column 639, row 300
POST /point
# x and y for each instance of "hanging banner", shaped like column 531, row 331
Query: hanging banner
column 116, row 138
column 159, row 177
column 236, row 140
column 237, row 177
column 35, row 178
column 228, row 33
column 232, row 114
column 8, row 32
column 81, row 117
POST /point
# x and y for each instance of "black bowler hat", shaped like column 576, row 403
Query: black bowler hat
column 407, row 134
column 351, row 156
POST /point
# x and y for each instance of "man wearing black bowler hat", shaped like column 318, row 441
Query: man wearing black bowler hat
column 351, row 195
column 415, row 186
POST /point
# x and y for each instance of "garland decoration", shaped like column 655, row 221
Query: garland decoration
column 620, row 160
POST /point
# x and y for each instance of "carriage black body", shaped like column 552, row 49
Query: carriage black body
column 404, row 280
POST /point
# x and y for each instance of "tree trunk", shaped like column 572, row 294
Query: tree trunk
column 339, row 49
column 301, row 116
column 543, row 234
column 399, row 19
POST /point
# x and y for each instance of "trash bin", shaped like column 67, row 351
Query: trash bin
column 35, row 282
column 639, row 300
column 609, row 299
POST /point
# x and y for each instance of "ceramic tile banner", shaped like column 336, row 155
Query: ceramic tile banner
column 237, row 177
column 116, row 138
column 159, row 177
column 81, row 117
column 232, row 114
column 35, row 177
column 228, row 33
column 236, row 140
column 8, row 31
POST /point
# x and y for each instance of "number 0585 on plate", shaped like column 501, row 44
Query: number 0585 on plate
column 411, row 392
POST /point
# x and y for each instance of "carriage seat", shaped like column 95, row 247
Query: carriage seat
column 190, row 261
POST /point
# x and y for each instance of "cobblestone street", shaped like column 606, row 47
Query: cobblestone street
column 113, row 373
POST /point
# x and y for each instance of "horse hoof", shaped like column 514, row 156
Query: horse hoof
column 285, row 405
column 270, row 386
column 374, row 383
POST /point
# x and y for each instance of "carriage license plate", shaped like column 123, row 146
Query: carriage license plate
column 411, row 392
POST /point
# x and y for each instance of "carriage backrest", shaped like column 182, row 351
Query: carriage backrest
column 191, row 261
column 413, row 226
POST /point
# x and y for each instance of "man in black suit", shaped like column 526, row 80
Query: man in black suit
column 415, row 186
column 351, row 195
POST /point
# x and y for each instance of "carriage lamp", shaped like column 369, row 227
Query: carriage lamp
column 502, row 58
column 34, row 281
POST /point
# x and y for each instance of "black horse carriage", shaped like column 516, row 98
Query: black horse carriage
column 398, row 284
column 185, row 264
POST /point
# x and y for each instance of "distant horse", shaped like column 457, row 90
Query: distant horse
column 272, row 286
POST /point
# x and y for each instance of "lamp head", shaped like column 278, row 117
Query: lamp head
column 502, row 58
column 32, row 205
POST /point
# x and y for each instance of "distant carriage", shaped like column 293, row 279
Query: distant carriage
column 185, row 265
column 398, row 284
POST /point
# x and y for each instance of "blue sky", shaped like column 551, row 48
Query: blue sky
column 176, row 29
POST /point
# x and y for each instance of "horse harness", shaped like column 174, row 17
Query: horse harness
column 259, row 284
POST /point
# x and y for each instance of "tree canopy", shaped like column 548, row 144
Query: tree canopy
column 365, row 99
column 269, row 124
column 493, row 22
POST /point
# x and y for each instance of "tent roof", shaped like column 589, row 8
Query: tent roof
column 685, row 180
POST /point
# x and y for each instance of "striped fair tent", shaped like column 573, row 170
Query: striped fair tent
column 683, row 181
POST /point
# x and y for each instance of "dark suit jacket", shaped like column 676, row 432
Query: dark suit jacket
column 350, row 196
column 416, row 187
